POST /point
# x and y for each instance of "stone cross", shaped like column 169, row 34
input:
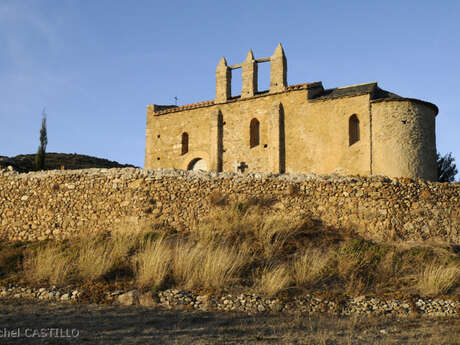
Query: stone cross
column 242, row 166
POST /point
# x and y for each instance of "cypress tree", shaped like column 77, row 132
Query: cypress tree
column 40, row 156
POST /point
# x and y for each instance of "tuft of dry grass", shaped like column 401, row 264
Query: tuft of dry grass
column 99, row 255
column 152, row 263
column 437, row 279
column 276, row 235
column 95, row 260
column 266, row 236
column 49, row 263
column 312, row 267
column 212, row 266
column 274, row 279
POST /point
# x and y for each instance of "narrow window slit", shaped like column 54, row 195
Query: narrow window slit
column 353, row 129
column 254, row 133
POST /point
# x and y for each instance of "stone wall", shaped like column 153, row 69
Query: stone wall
column 249, row 303
column 315, row 134
column 60, row 204
column 393, row 122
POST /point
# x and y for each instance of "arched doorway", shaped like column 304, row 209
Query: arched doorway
column 197, row 164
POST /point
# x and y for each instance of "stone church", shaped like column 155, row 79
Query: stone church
column 359, row 129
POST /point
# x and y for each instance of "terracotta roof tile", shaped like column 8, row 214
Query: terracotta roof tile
column 185, row 107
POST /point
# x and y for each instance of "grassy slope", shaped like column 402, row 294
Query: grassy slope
column 238, row 248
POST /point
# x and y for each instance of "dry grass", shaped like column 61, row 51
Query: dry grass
column 48, row 264
column 312, row 267
column 152, row 264
column 438, row 279
column 206, row 266
column 243, row 246
column 188, row 264
column 274, row 280
column 265, row 236
column 94, row 260
column 90, row 258
column 98, row 256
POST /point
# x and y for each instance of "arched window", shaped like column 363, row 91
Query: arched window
column 353, row 129
column 184, row 143
column 254, row 133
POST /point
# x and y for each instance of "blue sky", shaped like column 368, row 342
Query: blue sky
column 96, row 64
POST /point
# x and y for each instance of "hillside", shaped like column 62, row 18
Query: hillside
column 25, row 163
column 373, row 248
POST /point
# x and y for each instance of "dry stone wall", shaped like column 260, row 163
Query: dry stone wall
column 61, row 204
column 249, row 303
